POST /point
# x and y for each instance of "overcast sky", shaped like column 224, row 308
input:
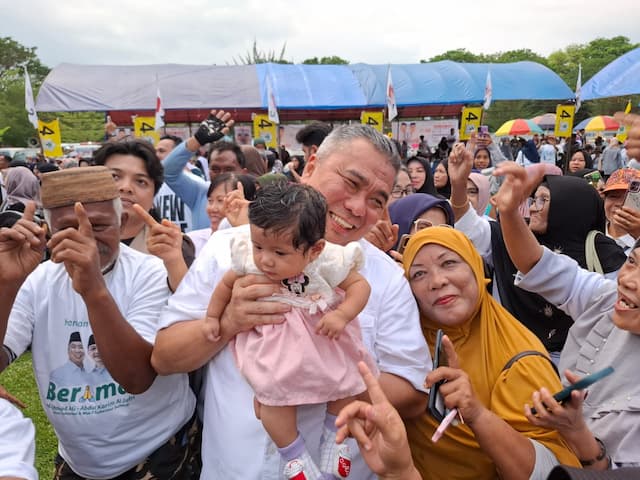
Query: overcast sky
column 371, row 31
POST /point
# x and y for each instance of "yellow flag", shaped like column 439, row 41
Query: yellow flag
column 145, row 128
column 470, row 123
column 373, row 119
column 564, row 120
column 50, row 138
column 628, row 107
column 622, row 131
column 265, row 129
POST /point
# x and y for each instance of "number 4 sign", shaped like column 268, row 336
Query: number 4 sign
column 471, row 117
column 564, row 120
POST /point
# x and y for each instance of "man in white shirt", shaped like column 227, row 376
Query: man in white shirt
column 131, row 420
column 354, row 169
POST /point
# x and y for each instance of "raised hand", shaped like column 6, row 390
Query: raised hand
column 214, row 127
column 460, row 165
column 78, row 251
column 379, row 431
column 383, row 234
column 21, row 248
column 627, row 219
column 164, row 239
column 236, row 206
column 518, row 184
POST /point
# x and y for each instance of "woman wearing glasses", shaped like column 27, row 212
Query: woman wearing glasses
column 563, row 210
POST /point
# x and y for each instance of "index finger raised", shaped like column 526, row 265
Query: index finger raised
column 84, row 224
column 29, row 211
column 452, row 356
column 146, row 217
column 373, row 386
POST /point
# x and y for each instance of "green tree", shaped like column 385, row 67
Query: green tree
column 457, row 55
column 332, row 60
column 12, row 109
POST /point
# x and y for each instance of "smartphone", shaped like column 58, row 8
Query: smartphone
column 593, row 178
column 565, row 394
column 402, row 244
column 632, row 198
column 436, row 404
column 483, row 130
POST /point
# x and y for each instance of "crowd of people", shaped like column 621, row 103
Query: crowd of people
column 226, row 311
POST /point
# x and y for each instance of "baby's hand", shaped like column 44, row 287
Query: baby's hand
column 211, row 327
column 332, row 324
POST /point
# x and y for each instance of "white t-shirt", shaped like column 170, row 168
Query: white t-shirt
column 102, row 430
column 239, row 444
column 547, row 154
column 170, row 206
column 17, row 443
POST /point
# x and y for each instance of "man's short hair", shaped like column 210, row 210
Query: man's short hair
column 138, row 148
column 223, row 146
column 313, row 134
column 345, row 134
column 175, row 139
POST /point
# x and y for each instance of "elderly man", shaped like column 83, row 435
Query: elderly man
column 354, row 169
column 133, row 422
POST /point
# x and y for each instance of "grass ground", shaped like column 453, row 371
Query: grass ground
column 19, row 381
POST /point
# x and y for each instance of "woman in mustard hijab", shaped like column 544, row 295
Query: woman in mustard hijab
column 496, row 440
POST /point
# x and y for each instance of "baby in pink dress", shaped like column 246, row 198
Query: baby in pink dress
column 312, row 356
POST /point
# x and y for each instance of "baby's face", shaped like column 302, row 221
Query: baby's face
column 275, row 255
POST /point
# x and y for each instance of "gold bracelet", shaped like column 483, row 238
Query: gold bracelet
column 466, row 202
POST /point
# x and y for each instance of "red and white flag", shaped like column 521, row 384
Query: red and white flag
column 29, row 104
column 392, row 107
column 159, row 111
column 488, row 92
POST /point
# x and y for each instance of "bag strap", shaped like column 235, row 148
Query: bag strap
column 528, row 353
column 591, row 254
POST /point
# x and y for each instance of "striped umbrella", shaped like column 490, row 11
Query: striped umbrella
column 519, row 126
column 599, row 123
column 546, row 121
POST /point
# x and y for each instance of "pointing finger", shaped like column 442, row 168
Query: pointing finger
column 84, row 225
column 452, row 356
column 29, row 211
column 144, row 215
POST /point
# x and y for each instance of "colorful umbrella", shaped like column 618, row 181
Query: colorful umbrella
column 546, row 121
column 599, row 123
column 519, row 126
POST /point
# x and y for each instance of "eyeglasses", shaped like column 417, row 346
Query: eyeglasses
column 402, row 192
column 537, row 201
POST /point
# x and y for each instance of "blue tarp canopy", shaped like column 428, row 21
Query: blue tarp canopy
column 621, row 77
column 111, row 88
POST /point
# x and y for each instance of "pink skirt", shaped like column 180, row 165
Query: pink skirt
column 290, row 364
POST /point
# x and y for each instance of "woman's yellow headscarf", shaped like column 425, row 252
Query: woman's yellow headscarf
column 484, row 344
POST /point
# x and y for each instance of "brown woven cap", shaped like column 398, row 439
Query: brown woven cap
column 85, row 185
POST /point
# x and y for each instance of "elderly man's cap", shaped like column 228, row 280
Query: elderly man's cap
column 85, row 185
column 75, row 337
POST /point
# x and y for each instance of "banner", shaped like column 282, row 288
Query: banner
column 373, row 119
column 265, row 129
column 145, row 128
column 470, row 122
column 432, row 131
column 488, row 92
column 50, row 138
column 564, row 120
column 159, row 119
